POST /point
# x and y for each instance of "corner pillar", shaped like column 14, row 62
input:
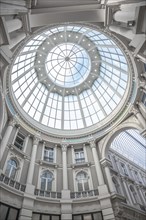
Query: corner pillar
column 105, row 164
column 6, row 137
column 104, row 196
column 66, row 203
column 32, row 160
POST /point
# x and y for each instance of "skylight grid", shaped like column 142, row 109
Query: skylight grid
column 135, row 151
column 68, row 65
column 61, row 82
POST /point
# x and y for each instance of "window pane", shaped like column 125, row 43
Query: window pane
column 45, row 217
column 77, row 217
column 36, row 217
column 12, row 214
column 97, row 216
column 55, row 217
column 87, row 217
column 3, row 211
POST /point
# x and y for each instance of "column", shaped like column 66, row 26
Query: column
column 106, row 163
column 32, row 160
column 13, row 25
column 19, row 37
column 142, row 108
column 118, row 165
column 26, row 143
column 131, row 172
column 43, row 148
column 141, row 195
column 124, row 16
column 104, row 196
column 17, row 130
column 126, row 190
column 64, row 164
column 139, row 116
column 97, row 163
column 6, row 137
column 66, row 202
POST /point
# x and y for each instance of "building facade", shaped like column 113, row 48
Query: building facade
column 63, row 165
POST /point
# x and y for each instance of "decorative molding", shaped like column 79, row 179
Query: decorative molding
column 36, row 140
column 12, row 122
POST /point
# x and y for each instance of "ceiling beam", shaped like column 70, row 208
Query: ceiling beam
column 97, row 15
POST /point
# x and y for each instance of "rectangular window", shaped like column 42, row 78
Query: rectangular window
column 8, row 212
column 90, row 216
column 39, row 216
column 19, row 141
column 79, row 155
column 49, row 154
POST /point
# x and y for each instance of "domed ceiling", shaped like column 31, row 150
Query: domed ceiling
column 70, row 77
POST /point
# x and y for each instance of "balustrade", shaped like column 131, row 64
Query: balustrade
column 12, row 183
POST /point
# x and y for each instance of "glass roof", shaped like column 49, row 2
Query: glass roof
column 70, row 77
column 131, row 145
column 68, row 64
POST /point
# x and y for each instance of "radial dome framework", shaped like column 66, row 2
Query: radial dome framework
column 70, row 77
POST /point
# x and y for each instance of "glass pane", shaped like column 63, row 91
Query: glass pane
column 80, row 187
column 45, row 217
column 36, row 217
column 13, row 173
column 3, row 211
column 87, row 217
column 77, row 217
column 43, row 183
column 55, row 217
column 97, row 216
column 12, row 214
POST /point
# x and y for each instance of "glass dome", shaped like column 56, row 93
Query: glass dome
column 70, row 77
column 68, row 65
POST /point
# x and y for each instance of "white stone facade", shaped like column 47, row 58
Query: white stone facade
column 87, row 178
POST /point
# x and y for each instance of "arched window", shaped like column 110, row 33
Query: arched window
column 11, row 168
column 117, row 186
column 82, row 181
column 134, row 194
column 46, row 180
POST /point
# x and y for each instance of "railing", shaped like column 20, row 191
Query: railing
column 84, row 194
column 12, row 183
column 79, row 160
column 55, row 195
column 48, row 159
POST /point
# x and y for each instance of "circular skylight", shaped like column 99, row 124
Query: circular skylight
column 68, row 65
column 70, row 77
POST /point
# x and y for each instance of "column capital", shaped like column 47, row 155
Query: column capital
column 135, row 110
column 105, row 162
column 12, row 122
column 92, row 143
column 36, row 140
column 64, row 147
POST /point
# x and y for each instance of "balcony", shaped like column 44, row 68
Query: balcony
column 48, row 159
column 84, row 194
column 43, row 193
column 80, row 160
column 12, row 183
